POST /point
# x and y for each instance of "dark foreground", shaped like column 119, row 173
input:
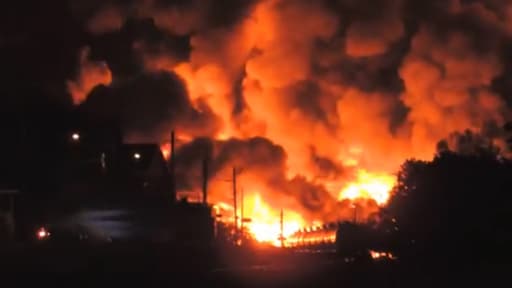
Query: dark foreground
column 153, row 266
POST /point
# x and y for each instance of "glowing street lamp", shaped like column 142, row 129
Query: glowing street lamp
column 136, row 156
column 75, row 137
column 42, row 233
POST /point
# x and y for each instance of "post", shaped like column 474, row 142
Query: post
column 172, row 171
column 234, row 202
column 205, row 181
column 282, row 232
column 242, row 211
column 355, row 213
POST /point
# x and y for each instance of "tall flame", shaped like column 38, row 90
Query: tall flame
column 262, row 222
column 265, row 223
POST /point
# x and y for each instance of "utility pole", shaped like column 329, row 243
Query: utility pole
column 205, row 181
column 234, row 202
column 355, row 213
column 242, row 211
column 281, row 237
column 172, row 171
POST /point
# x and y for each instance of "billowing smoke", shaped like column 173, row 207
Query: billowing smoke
column 260, row 166
column 148, row 106
column 378, row 25
column 91, row 74
column 470, row 143
column 303, row 95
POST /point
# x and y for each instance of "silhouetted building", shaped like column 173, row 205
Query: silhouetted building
column 119, row 192
column 142, row 169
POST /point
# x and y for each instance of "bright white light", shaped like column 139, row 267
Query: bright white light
column 42, row 234
column 136, row 156
column 75, row 136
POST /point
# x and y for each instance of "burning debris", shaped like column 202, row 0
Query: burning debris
column 369, row 186
column 379, row 255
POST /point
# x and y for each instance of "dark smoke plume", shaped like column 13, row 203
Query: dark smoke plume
column 304, row 94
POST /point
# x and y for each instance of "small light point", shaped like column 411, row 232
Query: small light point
column 75, row 137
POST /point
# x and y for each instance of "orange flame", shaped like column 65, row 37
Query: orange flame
column 376, row 255
column 265, row 221
column 166, row 150
column 376, row 186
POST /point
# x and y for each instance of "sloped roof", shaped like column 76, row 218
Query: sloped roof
column 140, row 157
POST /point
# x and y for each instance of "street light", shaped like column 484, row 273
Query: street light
column 136, row 156
column 42, row 233
column 75, row 137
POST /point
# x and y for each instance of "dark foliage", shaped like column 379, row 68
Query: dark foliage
column 455, row 207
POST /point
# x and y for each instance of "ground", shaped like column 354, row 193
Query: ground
column 152, row 266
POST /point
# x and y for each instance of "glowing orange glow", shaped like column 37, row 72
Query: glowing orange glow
column 313, row 237
column 223, row 206
column 91, row 75
column 209, row 76
column 369, row 186
column 265, row 222
column 264, row 225
column 211, row 84
column 259, row 78
column 166, row 150
column 381, row 255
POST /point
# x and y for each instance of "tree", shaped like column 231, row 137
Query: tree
column 453, row 207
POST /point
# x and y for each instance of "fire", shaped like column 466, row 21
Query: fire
column 376, row 255
column 259, row 76
column 313, row 236
column 265, row 222
column 369, row 186
column 166, row 150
